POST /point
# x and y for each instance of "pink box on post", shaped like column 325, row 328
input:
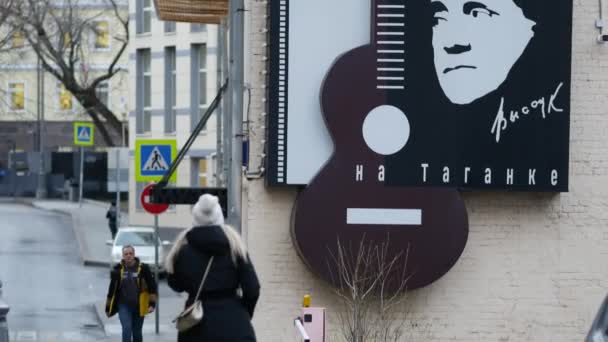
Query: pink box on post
column 313, row 320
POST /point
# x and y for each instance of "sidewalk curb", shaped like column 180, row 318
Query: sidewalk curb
column 85, row 256
column 100, row 312
column 102, row 204
column 96, row 263
column 95, row 202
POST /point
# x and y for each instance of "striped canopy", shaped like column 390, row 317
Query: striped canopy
column 192, row 11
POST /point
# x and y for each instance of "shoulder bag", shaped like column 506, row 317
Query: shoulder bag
column 193, row 314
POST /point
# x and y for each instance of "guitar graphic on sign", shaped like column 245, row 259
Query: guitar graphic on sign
column 348, row 199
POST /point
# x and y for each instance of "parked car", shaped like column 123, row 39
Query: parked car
column 142, row 239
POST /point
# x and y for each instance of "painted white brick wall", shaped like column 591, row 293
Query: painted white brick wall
column 535, row 266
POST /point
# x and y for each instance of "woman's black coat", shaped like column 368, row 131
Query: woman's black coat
column 227, row 316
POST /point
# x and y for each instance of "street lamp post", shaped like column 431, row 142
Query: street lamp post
column 11, row 165
column 41, row 190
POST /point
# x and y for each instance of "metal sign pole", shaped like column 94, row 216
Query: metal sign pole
column 156, row 271
column 81, row 175
column 117, row 187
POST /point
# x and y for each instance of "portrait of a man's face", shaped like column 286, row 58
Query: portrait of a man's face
column 475, row 45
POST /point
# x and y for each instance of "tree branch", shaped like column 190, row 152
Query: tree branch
column 125, row 24
column 45, row 25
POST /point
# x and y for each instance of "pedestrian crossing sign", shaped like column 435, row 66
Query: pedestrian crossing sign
column 153, row 158
column 83, row 133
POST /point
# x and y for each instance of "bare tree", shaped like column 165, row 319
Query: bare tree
column 8, row 4
column 371, row 285
column 62, row 34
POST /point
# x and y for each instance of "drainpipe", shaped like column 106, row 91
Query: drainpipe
column 237, row 26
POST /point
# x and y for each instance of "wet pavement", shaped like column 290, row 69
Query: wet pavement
column 91, row 231
column 50, row 293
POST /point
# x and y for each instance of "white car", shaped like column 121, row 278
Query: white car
column 142, row 239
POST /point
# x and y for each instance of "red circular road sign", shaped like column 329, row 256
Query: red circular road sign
column 152, row 208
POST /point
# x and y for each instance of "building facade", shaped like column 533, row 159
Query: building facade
column 174, row 79
column 534, row 267
column 19, row 95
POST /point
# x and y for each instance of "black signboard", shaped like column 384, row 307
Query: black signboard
column 451, row 93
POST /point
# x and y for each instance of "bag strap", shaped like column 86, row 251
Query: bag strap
column 203, row 280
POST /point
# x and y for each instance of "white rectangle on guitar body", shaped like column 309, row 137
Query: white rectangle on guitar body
column 384, row 216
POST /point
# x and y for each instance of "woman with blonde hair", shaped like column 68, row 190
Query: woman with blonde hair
column 231, row 289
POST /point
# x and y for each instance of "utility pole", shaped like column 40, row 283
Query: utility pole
column 41, row 190
column 11, row 166
column 219, row 150
column 226, row 108
column 118, row 153
column 237, row 24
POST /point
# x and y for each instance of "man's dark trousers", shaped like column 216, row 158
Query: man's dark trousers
column 113, row 229
column 132, row 323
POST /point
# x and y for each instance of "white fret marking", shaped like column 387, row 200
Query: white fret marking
column 391, row 78
column 391, row 24
column 391, row 60
column 391, row 33
column 391, row 51
column 391, row 6
column 391, row 42
column 389, row 87
column 390, row 15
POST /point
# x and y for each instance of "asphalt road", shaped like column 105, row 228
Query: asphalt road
column 50, row 293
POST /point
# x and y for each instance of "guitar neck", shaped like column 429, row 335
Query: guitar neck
column 388, row 39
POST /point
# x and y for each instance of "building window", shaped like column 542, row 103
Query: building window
column 144, row 16
column 147, row 92
column 16, row 96
column 67, row 40
column 199, row 83
column 139, row 187
column 65, row 98
column 144, row 91
column 170, row 90
column 202, row 173
column 198, row 27
column 169, row 26
column 202, row 76
column 102, row 35
column 17, row 39
column 103, row 93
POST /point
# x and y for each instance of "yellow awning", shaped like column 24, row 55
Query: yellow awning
column 192, row 11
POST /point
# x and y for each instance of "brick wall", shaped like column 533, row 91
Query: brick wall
column 535, row 266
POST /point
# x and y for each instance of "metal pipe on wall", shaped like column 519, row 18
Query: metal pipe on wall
column 219, row 151
column 227, row 108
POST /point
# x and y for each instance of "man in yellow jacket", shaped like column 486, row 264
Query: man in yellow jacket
column 132, row 293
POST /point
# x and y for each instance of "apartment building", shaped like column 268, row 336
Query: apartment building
column 19, row 79
column 174, row 79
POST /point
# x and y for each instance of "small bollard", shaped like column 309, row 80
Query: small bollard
column 4, row 308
